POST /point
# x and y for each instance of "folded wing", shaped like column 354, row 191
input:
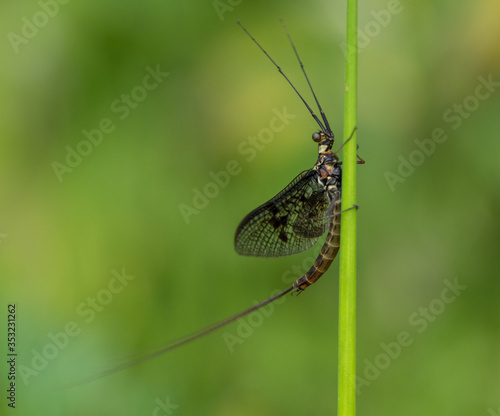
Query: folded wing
column 289, row 223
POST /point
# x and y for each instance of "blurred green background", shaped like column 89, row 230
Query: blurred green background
column 65, row 66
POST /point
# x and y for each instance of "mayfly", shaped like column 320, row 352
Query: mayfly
column 310, row 205
column 289, row 223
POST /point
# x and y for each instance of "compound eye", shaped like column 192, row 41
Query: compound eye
column 316, row 137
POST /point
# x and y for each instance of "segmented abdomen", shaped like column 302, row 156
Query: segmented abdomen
column 327, row 254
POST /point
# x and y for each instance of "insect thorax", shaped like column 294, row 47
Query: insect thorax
column 328, row 166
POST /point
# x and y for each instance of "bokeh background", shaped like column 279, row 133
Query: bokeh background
column 119, row 207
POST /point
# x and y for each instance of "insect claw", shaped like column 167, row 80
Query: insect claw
column 356, row 207
column 297, row 291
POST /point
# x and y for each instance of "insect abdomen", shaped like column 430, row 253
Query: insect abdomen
column 327, row 254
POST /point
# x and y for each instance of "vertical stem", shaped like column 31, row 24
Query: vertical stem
column 347, row 290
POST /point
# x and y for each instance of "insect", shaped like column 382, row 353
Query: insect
column 289, row 223
column 295, row 218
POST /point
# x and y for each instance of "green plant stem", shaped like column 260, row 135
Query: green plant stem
column 347, row 289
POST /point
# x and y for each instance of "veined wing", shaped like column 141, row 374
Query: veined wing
column 289, row 223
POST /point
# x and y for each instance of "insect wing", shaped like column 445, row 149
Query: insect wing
column 289, row 223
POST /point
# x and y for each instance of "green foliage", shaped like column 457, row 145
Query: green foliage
column 347, row 277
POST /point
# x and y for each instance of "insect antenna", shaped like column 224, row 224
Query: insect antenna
column 323, row 116
column 324, row 129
